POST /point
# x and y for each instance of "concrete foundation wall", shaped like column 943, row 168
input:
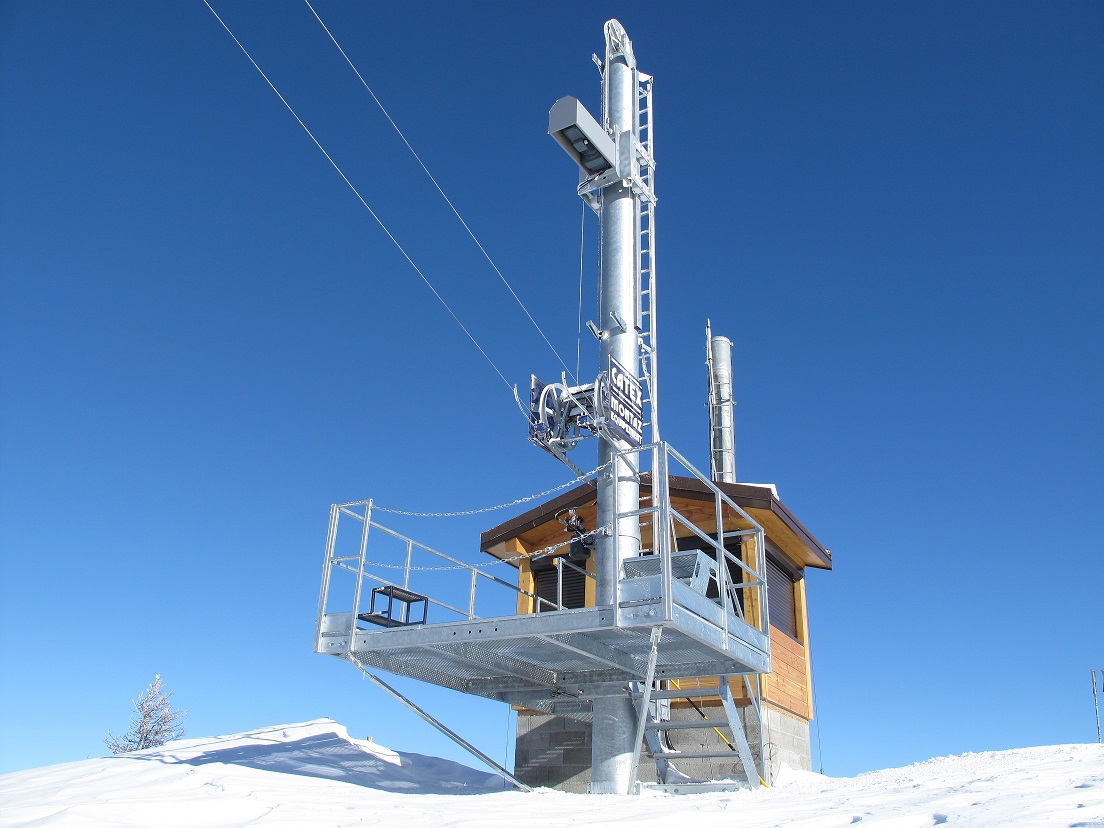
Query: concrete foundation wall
column 554, row 752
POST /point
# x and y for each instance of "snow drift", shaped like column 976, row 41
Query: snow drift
column 314, row 774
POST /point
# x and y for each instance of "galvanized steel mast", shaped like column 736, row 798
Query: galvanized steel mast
column 614, row 719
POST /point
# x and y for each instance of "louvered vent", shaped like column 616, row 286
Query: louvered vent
column 574, row 588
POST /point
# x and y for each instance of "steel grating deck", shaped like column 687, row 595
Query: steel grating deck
column 556, row 662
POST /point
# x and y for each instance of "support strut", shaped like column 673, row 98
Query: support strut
column 456, row 737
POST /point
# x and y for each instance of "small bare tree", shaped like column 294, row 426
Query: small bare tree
column 154, row 722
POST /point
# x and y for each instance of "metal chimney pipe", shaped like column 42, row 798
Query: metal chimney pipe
column 614, row 719
column 722, row 424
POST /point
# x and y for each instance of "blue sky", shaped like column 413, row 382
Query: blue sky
column 894, row 211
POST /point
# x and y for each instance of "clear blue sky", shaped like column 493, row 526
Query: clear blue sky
column 895, row 211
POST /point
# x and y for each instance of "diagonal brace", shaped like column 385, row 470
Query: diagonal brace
column 645, row 700
column 737, row 728
column 456, row 737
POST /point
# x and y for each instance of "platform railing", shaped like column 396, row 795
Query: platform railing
column 466, row 577
column 654, row 462
column 440, row 578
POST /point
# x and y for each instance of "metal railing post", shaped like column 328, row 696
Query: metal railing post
column 324, row 594
column 660, row 480
column 360, row 574
column 615, row 529
column 722, row 565
column 764, row 611
column 471, row 595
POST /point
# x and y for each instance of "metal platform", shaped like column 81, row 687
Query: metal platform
column 554, row 662
column 560, row 659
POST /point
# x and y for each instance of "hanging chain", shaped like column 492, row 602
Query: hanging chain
column 539, row 553
column 580, row 479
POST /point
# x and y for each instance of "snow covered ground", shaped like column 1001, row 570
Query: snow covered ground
column 313, row 774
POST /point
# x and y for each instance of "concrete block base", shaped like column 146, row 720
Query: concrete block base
column 554, row 752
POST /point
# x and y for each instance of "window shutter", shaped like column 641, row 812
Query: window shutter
column 780, row 598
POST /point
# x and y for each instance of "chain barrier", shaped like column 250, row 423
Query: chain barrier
column 581, row 479
column 539, row 553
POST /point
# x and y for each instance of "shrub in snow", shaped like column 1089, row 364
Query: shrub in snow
column 154, row 722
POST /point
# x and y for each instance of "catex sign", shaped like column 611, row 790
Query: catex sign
column 624, row 403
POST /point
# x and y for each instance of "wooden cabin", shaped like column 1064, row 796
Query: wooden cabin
column 554, row 751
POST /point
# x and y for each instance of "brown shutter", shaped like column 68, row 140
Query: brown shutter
column 780, row 598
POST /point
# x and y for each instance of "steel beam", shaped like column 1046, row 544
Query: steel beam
column 499, row 662
column 584, row 645
column 460, row 740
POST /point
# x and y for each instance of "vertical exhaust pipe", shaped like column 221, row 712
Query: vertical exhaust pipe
column 722, row 422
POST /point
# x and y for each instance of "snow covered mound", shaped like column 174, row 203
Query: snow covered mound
column 299, row 775
column 323, row 748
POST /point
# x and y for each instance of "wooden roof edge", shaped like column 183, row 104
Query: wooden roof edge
column 750, row 496
column 745, row 495
column 822, row 553
column 539, row 514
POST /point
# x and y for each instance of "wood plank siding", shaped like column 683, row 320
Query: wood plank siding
column 787, row 686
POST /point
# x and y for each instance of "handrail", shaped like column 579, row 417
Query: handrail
column 665, row 519
column 753, row 575
column 359, row 565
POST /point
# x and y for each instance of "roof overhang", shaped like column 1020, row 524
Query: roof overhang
column 782, row 527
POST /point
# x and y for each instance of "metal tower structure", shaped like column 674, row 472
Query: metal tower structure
column 617, row 171
column 671, row 597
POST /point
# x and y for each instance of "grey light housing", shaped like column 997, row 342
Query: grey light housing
column 581, row 137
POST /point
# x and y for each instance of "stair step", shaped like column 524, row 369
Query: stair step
column 686, row 693
column 672, row 755
column 690, row 724
column 698, row 787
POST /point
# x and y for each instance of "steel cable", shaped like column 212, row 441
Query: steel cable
column 456, row 212
column 356, row 192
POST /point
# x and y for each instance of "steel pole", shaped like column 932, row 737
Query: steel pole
column 613, row 731
column 721, row 420
column 1096, row 703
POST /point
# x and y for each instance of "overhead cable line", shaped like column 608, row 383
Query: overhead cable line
column 456, row 212
column 356, row 192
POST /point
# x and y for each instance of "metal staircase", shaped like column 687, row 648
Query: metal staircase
column 734, row 750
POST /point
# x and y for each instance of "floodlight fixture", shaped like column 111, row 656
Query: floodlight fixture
column 581, row 137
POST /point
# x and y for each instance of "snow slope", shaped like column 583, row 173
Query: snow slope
column 313, row 774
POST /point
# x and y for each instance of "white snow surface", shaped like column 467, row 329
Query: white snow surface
column 314, row 774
